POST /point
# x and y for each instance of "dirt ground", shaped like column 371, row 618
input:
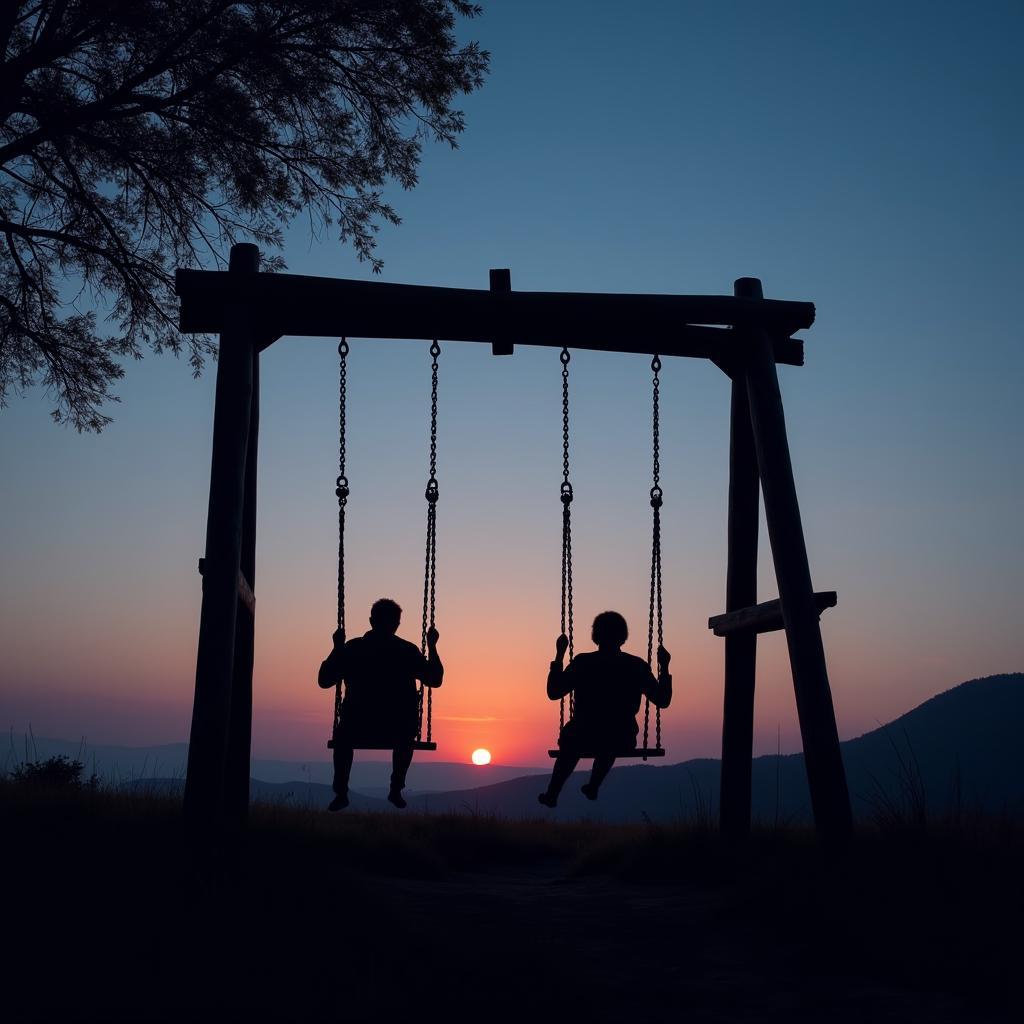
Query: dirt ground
column 532, row 944
column 107, row 917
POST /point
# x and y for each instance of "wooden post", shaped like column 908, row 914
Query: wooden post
column 826, row 778
column 740, row 592
column 211, row 711
column 236, row 772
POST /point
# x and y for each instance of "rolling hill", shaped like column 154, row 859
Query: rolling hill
column 962, row 746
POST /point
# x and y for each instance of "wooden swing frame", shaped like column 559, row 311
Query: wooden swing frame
column 744, row 334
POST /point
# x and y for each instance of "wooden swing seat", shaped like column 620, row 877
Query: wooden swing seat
column 644, row 752
column 417, row 745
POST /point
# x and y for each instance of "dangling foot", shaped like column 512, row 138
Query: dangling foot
column 589, row 790
column 547, row 799
column 395, row 797
column 339, row 803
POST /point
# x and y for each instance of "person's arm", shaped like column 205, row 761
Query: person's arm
column 332, row 668
column 560, row 679
column 659, row 690
column 431, row 669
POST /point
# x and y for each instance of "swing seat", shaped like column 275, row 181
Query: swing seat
column 644, row 752
column 417, row 745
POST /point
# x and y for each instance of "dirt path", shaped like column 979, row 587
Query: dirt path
column 531, row 944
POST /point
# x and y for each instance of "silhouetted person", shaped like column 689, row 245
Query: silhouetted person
column 608, row 685
column 381, row 706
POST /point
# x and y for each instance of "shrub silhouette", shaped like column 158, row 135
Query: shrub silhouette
column 60, row 771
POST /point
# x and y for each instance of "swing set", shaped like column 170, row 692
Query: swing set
column 424, row 734
column 745, row 335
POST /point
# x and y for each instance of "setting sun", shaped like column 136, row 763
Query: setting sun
column 481, row 756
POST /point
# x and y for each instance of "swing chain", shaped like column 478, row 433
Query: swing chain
column 432, row 494
column 656, row 492
column 341, row 490
column 655, row 618
column 566, row 497
column 566, row 486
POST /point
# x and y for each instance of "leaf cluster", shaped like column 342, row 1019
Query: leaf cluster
column 137, row 136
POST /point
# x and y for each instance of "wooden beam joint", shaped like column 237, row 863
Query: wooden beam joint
column 245, row 592
column 501, row 284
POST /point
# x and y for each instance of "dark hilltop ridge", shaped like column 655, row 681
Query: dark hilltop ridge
column 964, row 745
column 957, row 753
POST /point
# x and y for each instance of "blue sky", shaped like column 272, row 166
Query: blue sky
column 865, row 157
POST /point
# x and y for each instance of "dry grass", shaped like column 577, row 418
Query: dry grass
column 95, row 876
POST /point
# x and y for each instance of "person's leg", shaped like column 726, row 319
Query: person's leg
column 401, row 759
column 565, row 765
column 342, row 770
column 602, row 766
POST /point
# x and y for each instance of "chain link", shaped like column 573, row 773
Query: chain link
column 341, row 491
column 432, row 494
column 655, row 618
column 566, row 496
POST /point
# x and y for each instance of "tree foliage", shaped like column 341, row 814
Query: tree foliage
column 141, row 135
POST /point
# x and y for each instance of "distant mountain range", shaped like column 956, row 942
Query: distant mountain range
column 963, row 746
column 117, row 765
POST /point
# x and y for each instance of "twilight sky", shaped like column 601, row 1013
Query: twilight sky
column 864, row 156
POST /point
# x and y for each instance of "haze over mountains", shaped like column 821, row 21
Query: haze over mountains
column 961, row 747
column 116, row 764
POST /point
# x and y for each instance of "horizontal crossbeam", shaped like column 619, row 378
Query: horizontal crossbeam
column 670, row 325
column 763, row 618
